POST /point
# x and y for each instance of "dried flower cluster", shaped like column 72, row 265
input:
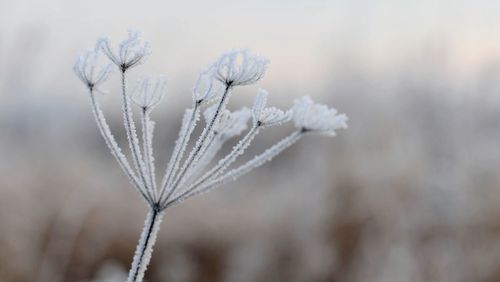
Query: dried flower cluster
column 190, row 174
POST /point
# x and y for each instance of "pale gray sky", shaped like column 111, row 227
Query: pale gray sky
column 303, row 39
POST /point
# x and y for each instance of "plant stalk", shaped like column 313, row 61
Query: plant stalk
column 145, row 245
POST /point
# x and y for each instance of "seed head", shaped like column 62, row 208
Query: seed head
column 88, row 72
column 240, row 67
column 317, row 118
column 206, row 88
column 149, row 91
column 263, row 116
column 131, row 51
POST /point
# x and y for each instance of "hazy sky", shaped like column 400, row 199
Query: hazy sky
column 303, row 39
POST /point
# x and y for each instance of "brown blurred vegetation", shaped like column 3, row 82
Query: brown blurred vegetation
column 410, row 192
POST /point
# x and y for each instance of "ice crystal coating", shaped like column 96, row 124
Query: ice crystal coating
column 148, row 92
column 317, row 118
column 240, row 67
column 88, row 72
column 131, row 51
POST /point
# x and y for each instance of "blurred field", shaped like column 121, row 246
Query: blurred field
column 410, row 192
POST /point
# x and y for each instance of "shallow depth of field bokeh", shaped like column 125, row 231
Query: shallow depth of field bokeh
column 410, row 192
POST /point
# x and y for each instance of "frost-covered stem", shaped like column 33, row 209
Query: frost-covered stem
column 132, row 137
column 147, row 144
column 145, row 245
column 233, row 174
column 229, row 159
column 113, row 145
column 200, row 143
column 261, row 159
column 179, row 151
column 213, row 147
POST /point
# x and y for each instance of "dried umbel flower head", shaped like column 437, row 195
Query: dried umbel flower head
column 206, row 88
column 263, row 116
column 131, row 51
column 149, row 91
column 88, row 72
column 194, row 171
column 240, row 67
column 317, row 118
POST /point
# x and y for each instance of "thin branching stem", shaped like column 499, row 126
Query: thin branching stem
column 211, row 151
column 179, row 152
column 113, row 145
column 201, row 142
column 228, row 159
column 233, row 174
column 132, row 137
column 145, row 245
column 147, row 144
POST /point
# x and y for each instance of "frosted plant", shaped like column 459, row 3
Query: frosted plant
column 193, row 171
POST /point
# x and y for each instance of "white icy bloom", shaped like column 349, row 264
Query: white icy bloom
column 240, row 67
column 206, row 88
column 131, row 51
column 231, row 123
column 88, row 72
column 317, row 118
column 148, row 92
column 263, row 116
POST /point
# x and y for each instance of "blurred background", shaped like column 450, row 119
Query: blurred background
column 410, row 192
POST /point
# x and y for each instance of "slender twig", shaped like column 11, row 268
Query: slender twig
column 179, row 150
column 228, row 159
column 200, row 143
column 113, row 146
column 232, row 175
column 147, row 142
column 145, row 246
column 132, row 136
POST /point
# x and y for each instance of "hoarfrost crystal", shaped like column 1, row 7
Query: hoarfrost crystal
column 199, row 171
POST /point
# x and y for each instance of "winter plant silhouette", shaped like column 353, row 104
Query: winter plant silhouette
column 191, row 174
